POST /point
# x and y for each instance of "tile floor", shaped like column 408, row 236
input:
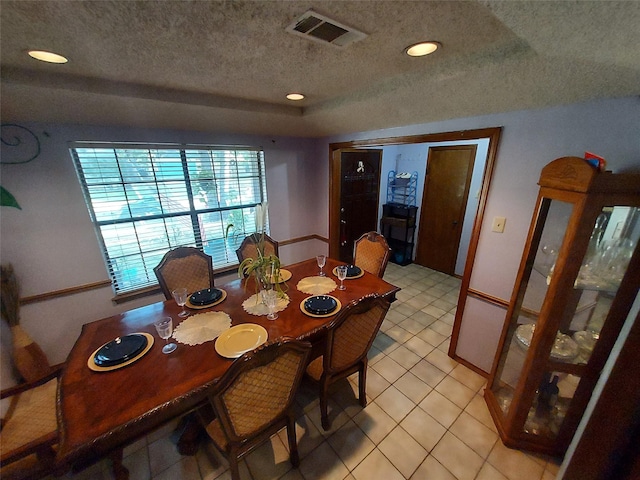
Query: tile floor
column 426, row 418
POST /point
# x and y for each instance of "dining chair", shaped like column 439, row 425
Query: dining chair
column 349, row 338
column 28, row 427
column 371, row 253
column 249, row 246
column 254, row 399
column 187, row 267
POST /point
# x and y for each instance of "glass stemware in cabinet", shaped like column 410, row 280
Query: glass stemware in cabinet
column 342, row 274
column 180, row 295
column 164, row 327
column 321, row 259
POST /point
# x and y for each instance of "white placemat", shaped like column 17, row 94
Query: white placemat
column 202, row 327
column 316, row 285
column 254, row 305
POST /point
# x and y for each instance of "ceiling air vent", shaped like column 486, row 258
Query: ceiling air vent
column 321, row 29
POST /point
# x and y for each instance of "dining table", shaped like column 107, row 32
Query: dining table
column 102, row 410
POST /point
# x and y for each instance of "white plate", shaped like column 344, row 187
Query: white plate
column 284, row 276
column 240, row 339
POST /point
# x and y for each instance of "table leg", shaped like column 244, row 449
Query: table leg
column 190, row 432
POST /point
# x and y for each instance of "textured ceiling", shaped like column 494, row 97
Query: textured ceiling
column 226, row 66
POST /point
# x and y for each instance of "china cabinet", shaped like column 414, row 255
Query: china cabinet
column 579, row 275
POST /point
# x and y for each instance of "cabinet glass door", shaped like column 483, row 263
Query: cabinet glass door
column 614, row 238
column 552, row 224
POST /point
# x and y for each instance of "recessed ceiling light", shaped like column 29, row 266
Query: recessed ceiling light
column 295, row 96
column 45, row 56
column 421, row 49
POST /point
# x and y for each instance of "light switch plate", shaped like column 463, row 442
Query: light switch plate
column 498, row 224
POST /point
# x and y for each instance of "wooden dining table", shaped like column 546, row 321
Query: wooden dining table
column 101, row 412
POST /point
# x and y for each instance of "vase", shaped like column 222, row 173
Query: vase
column 29, row 359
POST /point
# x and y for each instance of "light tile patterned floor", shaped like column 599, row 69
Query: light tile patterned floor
column 426, row 418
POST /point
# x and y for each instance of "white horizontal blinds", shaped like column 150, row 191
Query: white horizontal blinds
column 145, row 201
column 226, row 184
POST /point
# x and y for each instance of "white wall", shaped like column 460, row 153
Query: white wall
column 52, row 244
column 529, row 140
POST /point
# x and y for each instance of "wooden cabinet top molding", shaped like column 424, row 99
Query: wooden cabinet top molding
column 575, row 174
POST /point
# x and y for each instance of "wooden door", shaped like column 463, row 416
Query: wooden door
column 359, row 192
column 449, row 171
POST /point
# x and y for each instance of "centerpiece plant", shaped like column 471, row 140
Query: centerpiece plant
column 265, row 269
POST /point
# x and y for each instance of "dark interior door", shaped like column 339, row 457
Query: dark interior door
column 359, row 194
column 449, row 171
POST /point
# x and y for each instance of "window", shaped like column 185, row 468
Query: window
column 147, row 199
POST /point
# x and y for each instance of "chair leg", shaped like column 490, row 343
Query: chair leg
column 120, row 472
column 232, row 457
column 294, row 458
column 46, row 455
column 362, row 384
column 324, row 394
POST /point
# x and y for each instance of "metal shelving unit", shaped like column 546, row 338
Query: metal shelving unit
column 398, row 222
column 402, row 190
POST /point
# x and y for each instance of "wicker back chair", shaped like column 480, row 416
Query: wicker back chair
column 254, row 399
column 371, row 253
column 187, row 267
column 348, row 341
column 28, row 428
column 248, row 247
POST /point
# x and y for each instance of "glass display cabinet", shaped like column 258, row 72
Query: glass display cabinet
column 579, row 275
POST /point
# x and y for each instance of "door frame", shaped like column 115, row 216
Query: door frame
column 492, row 133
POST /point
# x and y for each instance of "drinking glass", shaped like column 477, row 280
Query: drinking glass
column 164, row 326
column 180, row 295
column 321, row 259
column 270, row 299
column 341, row 270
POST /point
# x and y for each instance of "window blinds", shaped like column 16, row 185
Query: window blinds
column 147, row 199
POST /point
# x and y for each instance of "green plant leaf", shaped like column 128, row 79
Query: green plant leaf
column 8, row 200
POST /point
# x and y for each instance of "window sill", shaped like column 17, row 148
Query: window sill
column 136, row 294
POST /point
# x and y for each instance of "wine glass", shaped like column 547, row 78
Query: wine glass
column 180, row 295
column 321, row 259
column 270, row 299
column 164, row 326
column 341, row 271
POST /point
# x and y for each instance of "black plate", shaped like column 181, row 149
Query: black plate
column 120, row 350
column 320, row 305
column 353, row 271
column 205, row 297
